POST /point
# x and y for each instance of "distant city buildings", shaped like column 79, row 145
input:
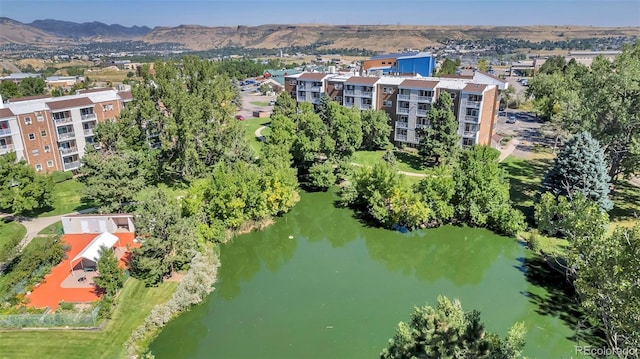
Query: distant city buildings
column 408, row 99
column 52, row 133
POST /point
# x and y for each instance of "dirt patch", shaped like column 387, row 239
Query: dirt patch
column 176, row 277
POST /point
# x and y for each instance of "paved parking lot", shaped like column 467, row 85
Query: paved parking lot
column 247, row 106
column 527, row 129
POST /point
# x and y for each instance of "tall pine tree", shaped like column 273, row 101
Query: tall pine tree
column 441, row 141
column 580, row 168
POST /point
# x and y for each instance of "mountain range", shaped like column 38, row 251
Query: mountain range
column 371, row 37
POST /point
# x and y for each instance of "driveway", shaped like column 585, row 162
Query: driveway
column 527, row 130
column 248, row 108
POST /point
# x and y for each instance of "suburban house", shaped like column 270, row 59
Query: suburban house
column 72, row 280
column 407, row 100
column 51, row 133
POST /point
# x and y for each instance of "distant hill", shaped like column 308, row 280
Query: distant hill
column 15, row 32
column 371, row 37
column 89, row 29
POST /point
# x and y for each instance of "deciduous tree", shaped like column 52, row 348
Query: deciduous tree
column 22, row 189
column 376, row 129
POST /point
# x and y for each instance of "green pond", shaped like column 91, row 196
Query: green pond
column 338, row 289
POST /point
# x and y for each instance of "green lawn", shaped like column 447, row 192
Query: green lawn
column 250, row 126
column 10, row 235
column 405, row 161
column 260, row 103
column 67, row 198
column 135, row 303
column 55, row 228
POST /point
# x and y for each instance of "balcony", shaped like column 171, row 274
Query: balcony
column 365, row 106
column 5, row 132
column 421, row 112
column 6, row 148
column 301, row 99
column 402, row 110
column 66, row 135
column 68, row 150
column 427, row 99
column 402, row 124
column 404, row 97
column 401, row 137
column 366, row 93
column 349, row 92
column 348, row 104
column 71, row 165
column 62, row 121
column 89, row 117
column 88, row 131
column 473, row 104
column 421, row 125
column 471, row 118
column 316, row 88
column 469, row 133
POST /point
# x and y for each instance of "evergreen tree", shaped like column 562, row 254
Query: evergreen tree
column 447, row 331
column 580, row 168
column 111, row 276
column 323, row 108
column 285, row 105
column 441, row 140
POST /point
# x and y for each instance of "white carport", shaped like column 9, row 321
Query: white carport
column 91, row 251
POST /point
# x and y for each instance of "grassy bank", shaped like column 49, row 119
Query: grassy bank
column 250, row 126
column 405, row 161
column 67, row 197
column 135, row 303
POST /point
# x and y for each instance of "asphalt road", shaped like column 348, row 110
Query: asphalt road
column 527, row 129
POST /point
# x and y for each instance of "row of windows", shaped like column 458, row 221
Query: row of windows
column 36, row 151
column 27, row 119
column 39, row 165
column 32, row 136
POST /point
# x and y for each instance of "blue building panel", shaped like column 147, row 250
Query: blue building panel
column 422, row 65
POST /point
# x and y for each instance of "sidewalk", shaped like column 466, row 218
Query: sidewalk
column 505, row 152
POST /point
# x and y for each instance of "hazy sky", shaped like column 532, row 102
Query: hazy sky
column 255, row 12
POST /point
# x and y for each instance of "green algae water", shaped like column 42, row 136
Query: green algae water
column 338, row 288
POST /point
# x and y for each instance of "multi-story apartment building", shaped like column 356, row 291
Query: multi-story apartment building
column 51, row 133
column 408, row 100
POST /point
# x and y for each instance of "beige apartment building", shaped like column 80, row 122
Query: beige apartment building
column 52, row 133
column 408, row 100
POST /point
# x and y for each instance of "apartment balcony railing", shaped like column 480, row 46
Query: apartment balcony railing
column 316, row 88
column 89, row 117
column 402, row 110
column 62, row 121
column 5, row 131
column 71, row 165
column 365, row 106
column 473, row 104
column 404, row 97
column 88, row 131
column 301, row 99
column 420, row 125
column 469, row 133
column 427, row 99
column 349, row 92
column 66, row 151
column 366, row 93
column 66, row 135
column 401, row 137
column 422, row 112
column 471, row 118
column 348, row 104
column 402, row 124
column 6, row 148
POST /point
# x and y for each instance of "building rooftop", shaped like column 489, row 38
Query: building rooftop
column 416, row 56
column 359, row 80
column 394, row 55
column 314, row 76
column 6, row 112
column 420, row 84
column 389, row 80
column 474, row 88
column 70, row 103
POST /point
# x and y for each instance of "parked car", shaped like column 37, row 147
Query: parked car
column 239, row 117
column 511, row 120
column 272, row 103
